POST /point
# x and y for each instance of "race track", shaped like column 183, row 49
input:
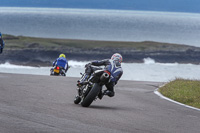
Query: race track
column 44, row 104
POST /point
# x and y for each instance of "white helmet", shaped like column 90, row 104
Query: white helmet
column 117, row 57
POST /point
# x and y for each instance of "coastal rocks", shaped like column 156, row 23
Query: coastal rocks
column 43, row 51
column 36, row 57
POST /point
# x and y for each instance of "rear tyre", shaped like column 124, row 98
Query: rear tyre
column 55, row 74
column 91, row 95
column 77, row 100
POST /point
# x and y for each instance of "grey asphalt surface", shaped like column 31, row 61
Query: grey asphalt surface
column 44, row 104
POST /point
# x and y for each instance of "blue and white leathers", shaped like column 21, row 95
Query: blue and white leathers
column 1, row 43
column 62, row 62
column 113, row 67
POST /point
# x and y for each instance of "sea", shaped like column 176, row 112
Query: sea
column 99, row 24
column 109, row 25
column 147, row 71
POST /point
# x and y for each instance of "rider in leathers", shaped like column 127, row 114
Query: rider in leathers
column 62, row 62
column 112, row 65
column 1, row 44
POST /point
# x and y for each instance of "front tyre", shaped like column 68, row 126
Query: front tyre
column 91, row 95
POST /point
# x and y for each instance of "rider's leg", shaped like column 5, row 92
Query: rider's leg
column 66, row 67
column 110, row 89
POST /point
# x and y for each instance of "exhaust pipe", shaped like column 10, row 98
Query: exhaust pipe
column 104, row 76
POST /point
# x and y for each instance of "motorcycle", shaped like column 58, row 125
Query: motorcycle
column 57, row 71
column 91, row 89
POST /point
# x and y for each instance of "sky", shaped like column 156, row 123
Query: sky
column 145, row 5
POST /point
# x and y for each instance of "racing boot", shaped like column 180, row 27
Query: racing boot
column 77, row 99
column 109, row 93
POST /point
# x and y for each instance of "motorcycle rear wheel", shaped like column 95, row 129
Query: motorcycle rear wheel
column 91, row 95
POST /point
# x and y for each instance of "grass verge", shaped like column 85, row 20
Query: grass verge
column 183, row 91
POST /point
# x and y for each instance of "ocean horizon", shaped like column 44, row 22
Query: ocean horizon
column 101, row 24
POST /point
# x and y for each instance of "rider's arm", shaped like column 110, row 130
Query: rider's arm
column 67, row 67
column 54, row 63
column 100, row 63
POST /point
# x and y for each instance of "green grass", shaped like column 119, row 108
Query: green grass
column 183, row 91
column 21, row 42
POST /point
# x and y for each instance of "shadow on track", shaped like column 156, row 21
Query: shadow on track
column 103, row 107
column 114, row 108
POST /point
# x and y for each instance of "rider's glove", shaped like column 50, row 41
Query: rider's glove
column 87, row 65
